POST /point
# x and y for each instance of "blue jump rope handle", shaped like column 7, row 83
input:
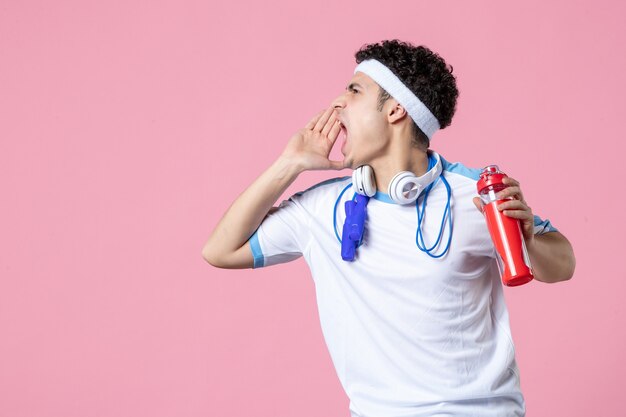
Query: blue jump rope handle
column 353, row 227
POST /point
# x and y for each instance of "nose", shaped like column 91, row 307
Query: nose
column 339, row 102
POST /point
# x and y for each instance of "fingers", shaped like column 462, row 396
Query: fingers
column 516, row 209
column 334, row 131
column 513, row 190
column 332, row 121
column 325, row 122
column 512, row 204
column 321, row 122
column 517, row 214
column 314, row 120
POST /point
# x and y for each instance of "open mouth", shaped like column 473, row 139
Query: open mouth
column 343, row 135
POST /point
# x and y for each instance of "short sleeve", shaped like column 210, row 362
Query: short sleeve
column 282, row 235
column 543, row 226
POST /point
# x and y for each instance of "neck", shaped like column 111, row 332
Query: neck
column 402, row 156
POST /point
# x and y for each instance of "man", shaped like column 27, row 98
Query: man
column 415, row 326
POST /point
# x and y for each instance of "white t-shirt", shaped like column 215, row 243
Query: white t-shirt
column 409, row 335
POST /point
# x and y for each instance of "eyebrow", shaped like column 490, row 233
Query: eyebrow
column 354, row 85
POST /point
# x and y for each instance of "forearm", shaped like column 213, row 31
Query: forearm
column 552, row 257
column 247, row 212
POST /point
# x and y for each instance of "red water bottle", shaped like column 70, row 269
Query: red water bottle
column 505, row 231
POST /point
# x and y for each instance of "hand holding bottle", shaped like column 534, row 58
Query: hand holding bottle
column 516, row 207
column 498, row 204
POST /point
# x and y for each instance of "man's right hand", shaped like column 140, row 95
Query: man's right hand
column 229, row 245
column 309, row 147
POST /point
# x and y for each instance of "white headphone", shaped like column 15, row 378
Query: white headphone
column 404, row 187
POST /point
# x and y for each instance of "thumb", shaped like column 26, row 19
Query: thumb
column 337, row 165
column 478, row 203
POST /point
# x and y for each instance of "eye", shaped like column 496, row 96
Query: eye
column 353, row 90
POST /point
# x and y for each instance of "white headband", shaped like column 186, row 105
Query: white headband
column 383, row 76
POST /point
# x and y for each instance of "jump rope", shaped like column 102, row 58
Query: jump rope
column 359, row 203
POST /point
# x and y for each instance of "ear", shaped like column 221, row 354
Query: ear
column 395, row 111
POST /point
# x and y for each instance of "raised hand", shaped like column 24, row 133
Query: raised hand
column 311, row 145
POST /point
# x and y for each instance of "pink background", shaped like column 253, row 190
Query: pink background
column 128, row 128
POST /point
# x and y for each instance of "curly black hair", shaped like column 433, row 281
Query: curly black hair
column 424, row 72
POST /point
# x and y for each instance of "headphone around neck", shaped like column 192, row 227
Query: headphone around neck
column 404, row 187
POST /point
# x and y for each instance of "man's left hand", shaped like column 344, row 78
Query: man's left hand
column 515, row 208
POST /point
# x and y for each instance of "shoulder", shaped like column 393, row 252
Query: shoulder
column 462, row 179
column 318, row 197
column 462, row 171
column 332, row 186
